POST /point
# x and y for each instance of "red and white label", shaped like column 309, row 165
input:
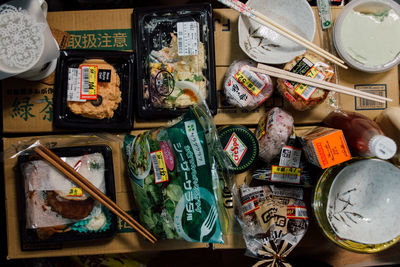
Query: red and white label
column 250, row 206
column 235, row 149
column 290, row 97
column 296, row 212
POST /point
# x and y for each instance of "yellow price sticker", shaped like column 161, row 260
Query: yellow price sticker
column 286, row 174
column 159, row 166
column 75, row 192
column 305, row 91
column 286, row 170
column 89, row 75
column 262, row 128
column 246, row 81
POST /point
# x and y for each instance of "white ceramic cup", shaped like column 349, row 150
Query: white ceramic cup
column 26, row 42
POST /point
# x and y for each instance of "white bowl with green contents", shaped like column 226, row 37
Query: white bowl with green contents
column 367, row 35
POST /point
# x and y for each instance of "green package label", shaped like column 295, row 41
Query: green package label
column 184, row 206
column 116, row 39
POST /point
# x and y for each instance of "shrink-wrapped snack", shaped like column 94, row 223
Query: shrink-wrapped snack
column 272, row 132
column 245, row 88
column 301, row 96
column 273, row 220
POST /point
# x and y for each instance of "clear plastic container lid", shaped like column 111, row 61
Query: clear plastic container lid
column 372, row 35
column 175, row 50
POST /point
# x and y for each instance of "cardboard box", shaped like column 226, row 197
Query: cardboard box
column 325, row 147
column 126, row 240
column 27, row 106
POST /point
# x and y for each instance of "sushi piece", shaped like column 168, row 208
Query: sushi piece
column 245, row 88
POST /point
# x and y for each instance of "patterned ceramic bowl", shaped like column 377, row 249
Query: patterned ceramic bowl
column 356, row 205
column 267, row 46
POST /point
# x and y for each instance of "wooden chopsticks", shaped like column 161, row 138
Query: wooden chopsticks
column 264, row 20
column 287, row 75
column 82, row 182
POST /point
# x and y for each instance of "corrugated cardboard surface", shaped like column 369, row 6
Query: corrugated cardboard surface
column 314, row 245
column 124, row 241
column 27, row 106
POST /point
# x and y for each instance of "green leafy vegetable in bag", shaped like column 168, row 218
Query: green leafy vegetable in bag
column 175, row 175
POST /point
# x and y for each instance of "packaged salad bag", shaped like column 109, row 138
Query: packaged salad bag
column 177, row 175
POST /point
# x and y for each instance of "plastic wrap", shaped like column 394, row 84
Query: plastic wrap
column 290, row 167
column 273, row 220
column 175, row 175
column 245, row 88
column 53, row 210
column 94, row 90
column 272, row 132
column 300, row 96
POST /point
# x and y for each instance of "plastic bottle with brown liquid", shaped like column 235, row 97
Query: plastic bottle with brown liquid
column 363, row 135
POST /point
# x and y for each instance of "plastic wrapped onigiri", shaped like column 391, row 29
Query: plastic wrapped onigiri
column 272, row 132
column 244, row 88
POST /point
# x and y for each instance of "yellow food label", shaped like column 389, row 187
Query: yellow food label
column 305, row 91
column 159, row 166
column 75, row 192
column 248, row 82
column 286, row 170
column 261, row 128
column 93, row 80
column 89, row 75
column 286, row 174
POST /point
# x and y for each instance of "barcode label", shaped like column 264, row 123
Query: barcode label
column 248, row 193
column 89, row 78
column 250, row 206
column 159, row 166
column 365, row 104
column 85, row 80
column 292, row 192
column 253, row 78
column 249, row 80
column 297, row 212
column 305, row 91
column 188, row 38
column 285, row 174
column 290, row 157
column 74, row 85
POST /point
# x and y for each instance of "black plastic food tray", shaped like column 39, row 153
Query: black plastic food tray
column 29, row 239
column 145, row 43
column 123, row 62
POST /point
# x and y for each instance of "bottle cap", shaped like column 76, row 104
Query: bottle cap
column 382, row 147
